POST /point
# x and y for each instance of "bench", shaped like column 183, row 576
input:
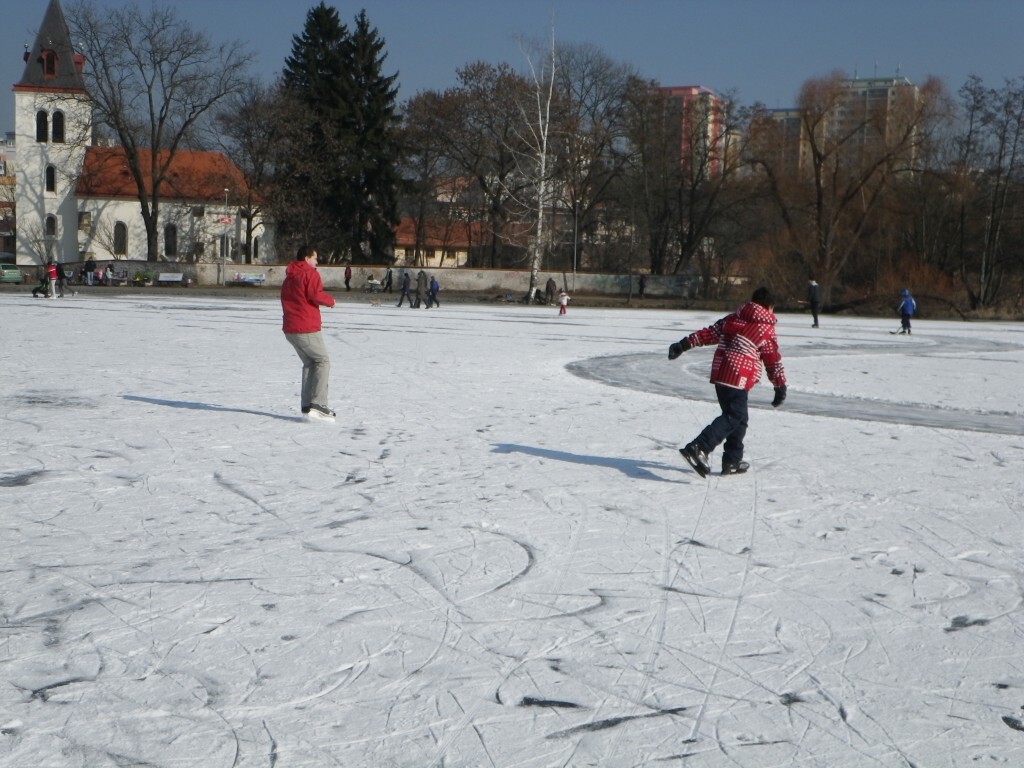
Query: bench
column 243, row 279
column 167, row 278
column 116, row 278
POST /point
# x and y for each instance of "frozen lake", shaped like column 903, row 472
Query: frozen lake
column 496, row 556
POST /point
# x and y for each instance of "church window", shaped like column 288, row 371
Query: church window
column 120, row 239
column 171, row 240
column 51, row 226
column 51, row 179
column 58, row 127
column 49, row 63
column 42, row 126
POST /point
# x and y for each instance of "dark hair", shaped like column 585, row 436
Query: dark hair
column 764, row 297
column 305, row 251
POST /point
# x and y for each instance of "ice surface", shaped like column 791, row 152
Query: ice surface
column 496, row 556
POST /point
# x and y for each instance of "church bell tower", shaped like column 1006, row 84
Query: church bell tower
column 53, row 127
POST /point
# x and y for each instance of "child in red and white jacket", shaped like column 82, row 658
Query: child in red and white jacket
column 563, row 302
column 746, row 341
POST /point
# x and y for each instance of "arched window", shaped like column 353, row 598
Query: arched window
column 51, row 226
column 51, row 179
column 58, row 127
column 42, row 126
column 120, row 239
column 171, row 240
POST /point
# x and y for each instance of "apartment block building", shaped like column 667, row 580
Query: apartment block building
column 863, row 115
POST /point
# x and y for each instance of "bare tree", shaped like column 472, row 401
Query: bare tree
column 153, row 79
column 990, row 156
column 532, row 148
column 480, row 133
column 850, row 154
column 653, row 171
column 246, row 133
column 592, row 148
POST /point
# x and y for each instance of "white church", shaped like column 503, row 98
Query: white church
column 75, row 200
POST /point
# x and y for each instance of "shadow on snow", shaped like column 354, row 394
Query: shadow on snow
column 193, row 406
column 633, row 468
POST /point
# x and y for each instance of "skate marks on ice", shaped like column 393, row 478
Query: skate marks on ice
column 645, row 372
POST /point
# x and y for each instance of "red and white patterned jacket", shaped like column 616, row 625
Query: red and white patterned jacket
column 745, row 339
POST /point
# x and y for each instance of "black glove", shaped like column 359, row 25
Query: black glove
column 675, row 350
column 780, row 396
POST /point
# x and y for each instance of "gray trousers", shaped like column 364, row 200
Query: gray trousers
column 316, row 366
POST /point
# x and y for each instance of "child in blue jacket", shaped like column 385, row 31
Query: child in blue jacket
column 906, row 309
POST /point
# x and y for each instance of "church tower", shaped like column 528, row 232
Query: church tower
column 53, row 127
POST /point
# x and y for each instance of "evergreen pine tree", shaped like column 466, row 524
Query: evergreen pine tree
column 341, row 167
column 373, row 126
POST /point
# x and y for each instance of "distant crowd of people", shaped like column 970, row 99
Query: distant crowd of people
column 55, row 279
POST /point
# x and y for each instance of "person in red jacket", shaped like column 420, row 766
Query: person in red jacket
column 746, row 340
column 302, row 295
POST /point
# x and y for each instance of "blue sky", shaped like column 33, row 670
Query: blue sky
column 763, row 49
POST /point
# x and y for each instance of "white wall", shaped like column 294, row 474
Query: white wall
column 34, row 203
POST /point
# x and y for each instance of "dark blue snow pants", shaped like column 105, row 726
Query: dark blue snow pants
column 730, row 427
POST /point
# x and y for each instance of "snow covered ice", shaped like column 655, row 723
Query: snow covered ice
column 496, row 556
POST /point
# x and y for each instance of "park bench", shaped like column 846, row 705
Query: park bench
column 244, row 279
column 170, row 278
column 115, row 277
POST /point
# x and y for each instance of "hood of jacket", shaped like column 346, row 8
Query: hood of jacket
column 752, row 312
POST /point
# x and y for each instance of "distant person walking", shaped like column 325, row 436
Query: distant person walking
column 90, row 270
column 63, row 280
column 432, row 293
column 388, row 277
column 421, row 288
column 348, row 277
column 814, row 300
column 405, row 290
column 906, row 310
column 51, row 276
column 550, row 289
column 302, row 295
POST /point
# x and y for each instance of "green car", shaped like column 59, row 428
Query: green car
column 9, row 273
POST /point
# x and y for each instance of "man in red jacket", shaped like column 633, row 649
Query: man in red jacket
column 302, row 295
column 746, row 340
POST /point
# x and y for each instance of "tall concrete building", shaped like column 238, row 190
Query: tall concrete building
column 865, row 115
column 702, row 136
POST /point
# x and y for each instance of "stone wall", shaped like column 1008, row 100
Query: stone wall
column 496, row 281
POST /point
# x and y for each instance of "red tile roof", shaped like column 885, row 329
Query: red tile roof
column 192, row 176
column 438, row 234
